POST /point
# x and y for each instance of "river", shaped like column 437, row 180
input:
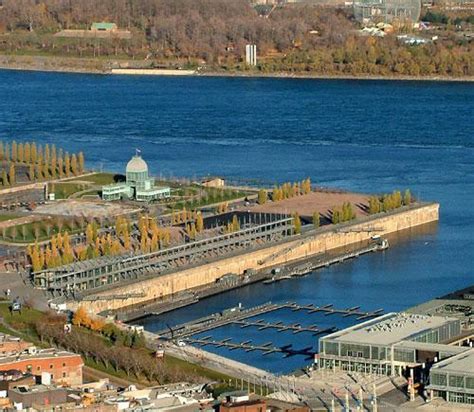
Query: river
column 369, row 136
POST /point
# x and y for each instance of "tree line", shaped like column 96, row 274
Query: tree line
column 106, row 344
column 43, row 163
column 145, row 237
column 389, row 201
column 295, row 38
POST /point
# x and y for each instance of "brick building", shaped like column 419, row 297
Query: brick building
column 64, row 368
column 245, row 406
column 11, row 344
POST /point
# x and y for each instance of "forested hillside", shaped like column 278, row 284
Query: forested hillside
column 213, row 33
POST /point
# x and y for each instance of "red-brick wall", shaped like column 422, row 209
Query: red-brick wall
column 64, row 369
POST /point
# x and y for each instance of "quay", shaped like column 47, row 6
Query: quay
column 267, row 276
column 240, row 317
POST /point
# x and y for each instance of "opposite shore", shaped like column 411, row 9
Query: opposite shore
column 96, row 66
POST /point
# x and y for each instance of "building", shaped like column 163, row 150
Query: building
column 60, row 367
column 103, row 26
column 37, row 396
column 251, row 54
column 11, row 344
column 247, row 405
column 213, row 182
column 138, row 185
column 391, row 343
column 453, row 378
column 387, row 11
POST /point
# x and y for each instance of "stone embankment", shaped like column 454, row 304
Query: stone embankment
column 298, row 248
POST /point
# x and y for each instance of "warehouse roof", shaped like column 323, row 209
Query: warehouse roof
column 390, row 328
column 462, row 363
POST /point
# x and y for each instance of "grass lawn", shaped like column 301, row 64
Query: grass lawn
column 30, row 232
column 100, row 178
column 5, row 217
column 64, row 190
column 19, row 324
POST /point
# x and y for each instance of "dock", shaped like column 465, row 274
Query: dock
column 242, row 317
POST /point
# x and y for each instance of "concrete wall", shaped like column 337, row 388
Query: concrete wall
column 302, row 247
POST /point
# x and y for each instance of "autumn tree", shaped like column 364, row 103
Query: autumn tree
column 262, row 197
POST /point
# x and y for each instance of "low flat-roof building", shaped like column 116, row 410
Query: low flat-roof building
column 453, row 378
column 138, row 184
column 388, row 344
column 63, row 367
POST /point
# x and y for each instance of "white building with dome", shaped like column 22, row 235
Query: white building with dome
column 138, row 185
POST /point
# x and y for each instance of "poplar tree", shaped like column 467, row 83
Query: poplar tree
column 12, row 174
column 67, row 164
column 27, row 153
column 262, row 197
column 60, row 167
column 7, row 153
column 407, row 197
column 2, row 154
column 31, row 173
column 297, row 223
column 199, row 223
column 14, row 151
column 34, row 153
column 74, row 166
column 21, row 153
column 80, row 159
column 4, row 177
column 316, row 220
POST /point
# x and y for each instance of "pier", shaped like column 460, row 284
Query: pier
column 242, row 317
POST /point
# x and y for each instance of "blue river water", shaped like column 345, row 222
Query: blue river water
column 369, row 136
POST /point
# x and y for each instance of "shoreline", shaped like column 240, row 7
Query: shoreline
column 232, row 74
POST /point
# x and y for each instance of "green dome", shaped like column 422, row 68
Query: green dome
column 136, row 165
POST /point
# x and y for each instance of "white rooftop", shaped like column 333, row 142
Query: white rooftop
column 462, row 363
column 390, row 328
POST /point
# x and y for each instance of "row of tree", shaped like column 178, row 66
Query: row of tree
column 388, row 202
column 108, row 346
column 289, row 190
column 343, row 214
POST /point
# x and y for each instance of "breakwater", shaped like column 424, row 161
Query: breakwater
column 300, row 247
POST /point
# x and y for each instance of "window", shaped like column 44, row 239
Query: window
column 64, row 374
column 51, row 366
column 64, row 364
column 38, row 368
column 456, row 381
column 29, row 368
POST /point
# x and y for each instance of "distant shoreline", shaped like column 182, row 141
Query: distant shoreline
column 275, row 75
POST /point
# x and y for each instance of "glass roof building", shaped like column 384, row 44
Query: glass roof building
column 387, row 10
column 138, row 185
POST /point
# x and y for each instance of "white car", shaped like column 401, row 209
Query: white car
column 181, row 343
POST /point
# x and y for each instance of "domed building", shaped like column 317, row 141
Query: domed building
column 138, row 185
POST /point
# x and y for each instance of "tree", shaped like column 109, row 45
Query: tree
column 27, row 153
column 67, row 164
column 199, row 223
column 14, row 151
column 34, row 153
column 60, row 167
column 80, row 160
column 81, row 317
column 21, row 153
column 74, row 165
column 4, row 178
column 316, row 220
column 31, row 173
column 262, row 197
column 12, row 174
column 407, row 197
column 297, row 223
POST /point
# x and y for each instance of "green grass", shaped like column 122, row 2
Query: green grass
column 98, row 178
column 20, row 324
column 33, row 231
column 64, row 190
column 5, row 217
